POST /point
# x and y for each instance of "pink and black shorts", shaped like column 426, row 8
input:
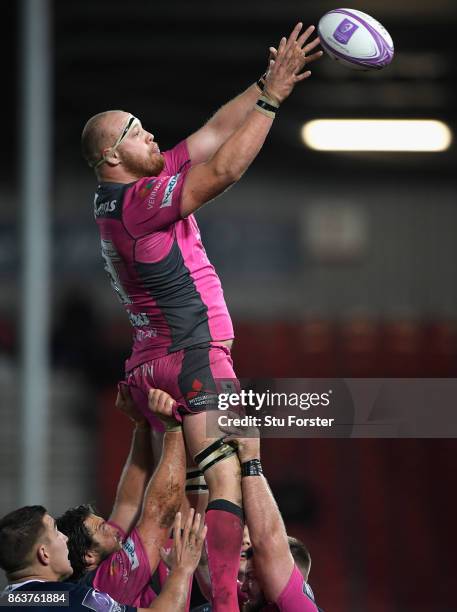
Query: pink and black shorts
column 193, row 377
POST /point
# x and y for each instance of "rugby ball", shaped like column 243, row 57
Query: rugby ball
column 355, row 39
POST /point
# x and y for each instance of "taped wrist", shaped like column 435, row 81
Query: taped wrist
column 215, row 452
column 261, row 82
column 251, row 468
column 195, row 482
column 267, row 106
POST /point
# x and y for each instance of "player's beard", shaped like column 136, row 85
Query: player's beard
column 150, row 166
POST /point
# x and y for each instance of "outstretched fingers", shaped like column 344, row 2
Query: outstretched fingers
column 305, row 35
column 311, row 45
column 302, row 76
column 313, row 57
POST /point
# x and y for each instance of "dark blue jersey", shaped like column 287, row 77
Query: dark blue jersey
column 81, row 598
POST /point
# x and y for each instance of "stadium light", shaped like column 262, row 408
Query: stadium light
column 425, row 135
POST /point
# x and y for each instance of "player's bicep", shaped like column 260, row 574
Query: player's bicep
column 274, row 565
column 203, row 183
column 153, row 537
column 125, row 515
column 203, row 143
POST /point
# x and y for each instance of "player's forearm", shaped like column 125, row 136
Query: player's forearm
column 230, row 116
column 203, row 577
column 166, row 488
column 173, row 596
column 236, row 155
column 208, row 180
column 136, row 472
column 262, row 514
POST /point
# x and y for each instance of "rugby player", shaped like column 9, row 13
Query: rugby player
column 153, row 253
column 35, row 558
column 120, row 555
column 277, row 566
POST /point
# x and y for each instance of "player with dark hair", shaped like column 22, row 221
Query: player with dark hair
column 34, row 556
column 120, row 555
column 255, row 598
column 29, row 538
column 158, row 267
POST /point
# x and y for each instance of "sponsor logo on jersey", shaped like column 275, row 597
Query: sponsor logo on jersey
column 101, row 602
column 145, row 334
column 104, row 208
column 307, row 590
column 167, row 196
column 146, row 188
column 152, row 198
column 129, row 548
column 138, row 319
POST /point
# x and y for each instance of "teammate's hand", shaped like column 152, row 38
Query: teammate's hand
column 125, row 404
column 162, row 404
column 288, row 60
column 245, row 439
column 187, row 546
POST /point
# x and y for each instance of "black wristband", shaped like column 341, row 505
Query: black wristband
column 261, row 82
column 266, row 106
column 251, row 468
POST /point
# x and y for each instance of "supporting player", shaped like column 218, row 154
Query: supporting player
column 278, row 567
column 34, row 556
column 153, row 253
column 118, row 556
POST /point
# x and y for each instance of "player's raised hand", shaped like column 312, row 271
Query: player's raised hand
column 164, row 407
column 245, row 439
column 187, row 544
column 125, row 404
column 305, row 48
column 290, row 58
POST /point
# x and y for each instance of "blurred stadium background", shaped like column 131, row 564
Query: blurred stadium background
column 333, row 265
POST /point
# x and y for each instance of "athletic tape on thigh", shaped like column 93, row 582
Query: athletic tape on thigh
column 215, row 452
column 195, row 481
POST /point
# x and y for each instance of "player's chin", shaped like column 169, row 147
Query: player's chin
column 68, row 573
column 157, row 164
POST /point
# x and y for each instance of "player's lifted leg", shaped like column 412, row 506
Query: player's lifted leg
column 220, row 466
column 224, row 515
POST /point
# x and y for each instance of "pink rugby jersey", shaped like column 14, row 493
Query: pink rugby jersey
column 157, row 263
column 295, row 597
column 126, row 573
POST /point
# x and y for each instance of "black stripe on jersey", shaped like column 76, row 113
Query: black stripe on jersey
column 109, row 200
column 180, row 169
column 172, row 287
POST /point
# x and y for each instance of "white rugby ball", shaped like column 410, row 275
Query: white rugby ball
column 355, row 39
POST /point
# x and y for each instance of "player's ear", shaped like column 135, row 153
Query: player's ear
column 91, row 558
column 111, row 157
column 42, row 554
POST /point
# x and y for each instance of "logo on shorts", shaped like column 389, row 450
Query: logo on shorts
column 200, row 397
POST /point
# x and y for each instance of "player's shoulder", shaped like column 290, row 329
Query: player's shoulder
column 177, row 159
column 40, row 585
column 108, row 200
column 81, row 597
